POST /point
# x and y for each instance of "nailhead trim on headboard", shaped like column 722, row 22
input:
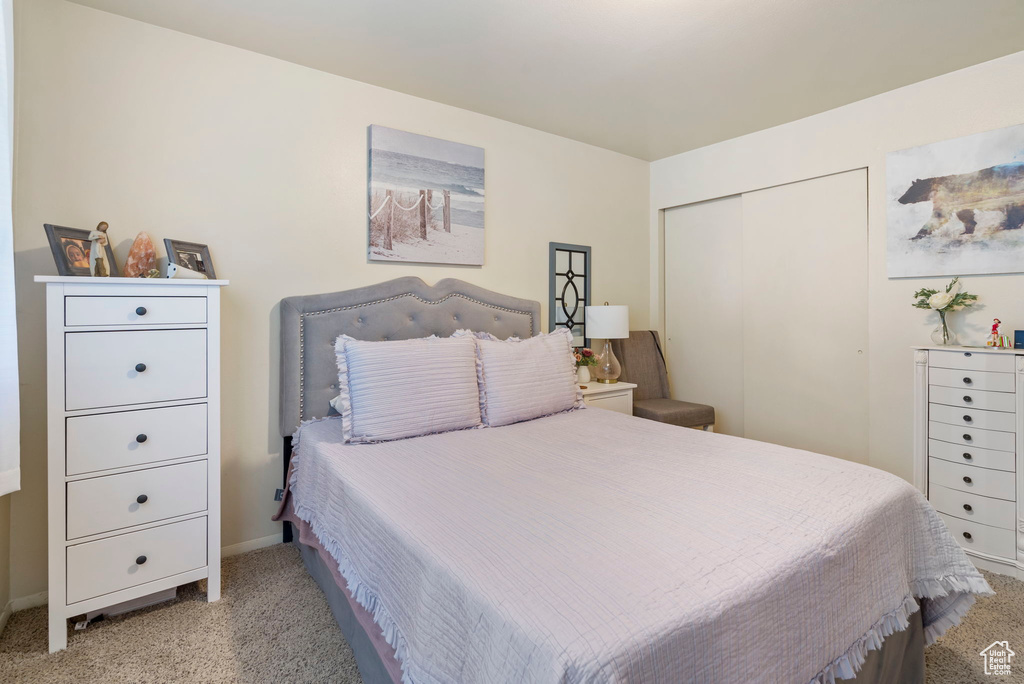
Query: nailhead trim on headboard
column 302, row 327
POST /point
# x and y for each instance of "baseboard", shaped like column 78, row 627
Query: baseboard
column 250, row 545
column 35, row 600
column 5, row 615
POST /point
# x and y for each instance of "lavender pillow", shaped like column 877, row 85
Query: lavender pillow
column 406, row 388
column 525, row 379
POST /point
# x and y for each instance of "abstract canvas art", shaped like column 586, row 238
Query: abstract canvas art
column 957, row 207
column 426, row 199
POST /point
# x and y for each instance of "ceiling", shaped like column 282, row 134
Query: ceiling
column 648, row 78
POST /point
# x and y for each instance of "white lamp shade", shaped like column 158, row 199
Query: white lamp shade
column 607, row 322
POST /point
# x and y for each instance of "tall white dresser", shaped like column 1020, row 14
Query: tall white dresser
column 968, row 446
column 133, row 468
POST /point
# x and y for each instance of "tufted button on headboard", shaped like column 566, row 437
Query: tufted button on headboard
column 398, row 309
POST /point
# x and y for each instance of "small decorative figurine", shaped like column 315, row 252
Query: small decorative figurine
column 98, row 265
column 995, row 339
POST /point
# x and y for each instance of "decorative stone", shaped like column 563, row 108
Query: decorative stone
column 141, row 257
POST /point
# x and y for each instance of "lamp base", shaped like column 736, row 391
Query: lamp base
column 608, row 381
column 608, row 369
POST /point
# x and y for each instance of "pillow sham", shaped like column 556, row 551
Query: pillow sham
column 525, row 379
column 406, row 388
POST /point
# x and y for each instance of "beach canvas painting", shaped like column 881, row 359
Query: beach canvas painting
column 426, row 199
column 957, row 207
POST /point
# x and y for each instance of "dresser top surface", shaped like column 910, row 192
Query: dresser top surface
column 973, row 350
column 88, row 280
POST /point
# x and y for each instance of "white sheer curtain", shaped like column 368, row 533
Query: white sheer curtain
column 10, row 450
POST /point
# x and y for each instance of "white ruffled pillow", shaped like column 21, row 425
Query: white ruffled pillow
column 525, row 379
column 406, row 388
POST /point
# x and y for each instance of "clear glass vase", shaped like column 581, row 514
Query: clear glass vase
column 942, row 334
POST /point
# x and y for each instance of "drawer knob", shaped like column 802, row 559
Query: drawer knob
column 967, row 437
column 141, row 560
column 967, row 479
column 967, row 535
column 142, row 498
column 967, row 399
column 967, row 456
column 141, row 438
column 140, row 368
column 967, row 353
column 141, row 311
column 968, row 419
column 968, row 508
column 967, row 381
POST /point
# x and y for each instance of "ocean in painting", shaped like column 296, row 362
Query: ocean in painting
column 406, row 163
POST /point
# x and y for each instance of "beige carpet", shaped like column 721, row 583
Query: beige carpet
column 273, row 625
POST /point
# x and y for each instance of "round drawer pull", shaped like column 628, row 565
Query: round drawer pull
column 967, row 353
column 967, row 536
column 141, row 438
column 968, row 480
column 967, row 399
column 967, row 437
column 968, row 419
column 967, row 456
column 142, row 498
column 141, row 311
column 968, row 508
column 141, row 560
column 140, row 368
column 967, row 381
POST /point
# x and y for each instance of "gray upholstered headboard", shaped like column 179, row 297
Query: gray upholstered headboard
column 398, row 309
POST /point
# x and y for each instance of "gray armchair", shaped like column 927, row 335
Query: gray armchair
column 643, row 364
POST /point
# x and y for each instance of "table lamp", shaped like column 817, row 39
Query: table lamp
column 607, row 323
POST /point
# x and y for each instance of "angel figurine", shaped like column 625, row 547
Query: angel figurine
column 99, row 266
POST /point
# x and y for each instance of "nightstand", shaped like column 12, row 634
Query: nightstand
column 617, row 396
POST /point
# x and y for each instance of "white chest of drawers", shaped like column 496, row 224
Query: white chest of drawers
column 133, row 440
column 969, row 448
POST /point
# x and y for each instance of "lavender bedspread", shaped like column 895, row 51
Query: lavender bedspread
column 595, row 547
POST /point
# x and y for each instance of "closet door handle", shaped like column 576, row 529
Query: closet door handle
column 968, row 480
column 967, row 507
column 967, row 381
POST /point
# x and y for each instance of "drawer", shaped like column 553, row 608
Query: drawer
column 133, row 310
column 616, row 402
column 972, row 455
column 994, row 541
column 108, row 565
column 989, row 420
column 972, row 360
column 128, row 438
column 979, row 509
column 986, row 439
column 105, row 504
column 133, row 367
column 998, row 484
column 970, row 379
column 971, row 398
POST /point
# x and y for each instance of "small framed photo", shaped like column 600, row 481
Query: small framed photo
column 190, row 255
column 70, row 247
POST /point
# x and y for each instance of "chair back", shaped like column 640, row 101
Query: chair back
column 643, row 364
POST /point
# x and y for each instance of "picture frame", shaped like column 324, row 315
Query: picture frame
column 70, row 248
column 191, row 255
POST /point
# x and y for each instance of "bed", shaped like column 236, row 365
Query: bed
column 591, row 546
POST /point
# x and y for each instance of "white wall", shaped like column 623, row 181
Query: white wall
column 979, row 98
column 149, row 129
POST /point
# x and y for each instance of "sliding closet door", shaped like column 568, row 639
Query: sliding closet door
column 703, row 307
column 805, row 315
